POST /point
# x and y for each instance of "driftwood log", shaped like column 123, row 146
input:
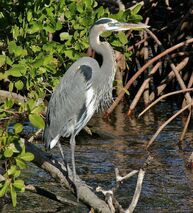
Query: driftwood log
column 63, row 175
column 59, row 173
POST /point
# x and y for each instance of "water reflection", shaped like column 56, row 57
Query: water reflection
column 167, row 185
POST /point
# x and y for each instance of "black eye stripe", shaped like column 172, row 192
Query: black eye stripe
column 103, row 21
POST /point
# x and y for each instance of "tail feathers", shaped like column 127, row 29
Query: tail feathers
column 54, row 141
column 49, row 141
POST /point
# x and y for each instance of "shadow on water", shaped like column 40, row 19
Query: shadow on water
column 120, row 143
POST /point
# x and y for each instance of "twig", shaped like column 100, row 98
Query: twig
column 121, row 178
column 185, row 127
column 164, row 96
column 174, row 68
column 137, row 192
column 181, row 83
column 108, row 197
column 166, row 123
column 146, row 55
column 143, row 86
column 169, row 77
column 136, row 44
column 31, row 139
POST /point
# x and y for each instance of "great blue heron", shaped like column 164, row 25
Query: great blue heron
column 85, row 87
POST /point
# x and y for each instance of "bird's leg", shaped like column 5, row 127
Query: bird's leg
column 72, row 145
column 62, row 154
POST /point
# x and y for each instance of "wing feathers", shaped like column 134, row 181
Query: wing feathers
column 68, row 108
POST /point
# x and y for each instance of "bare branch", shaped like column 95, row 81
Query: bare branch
column 166, row 123
column 121, row 178
column 108, row 197
column 142, row 88
column 142, row 69
column 162, row 97
column 186, row 126
column 169, row 77
column 137, row 192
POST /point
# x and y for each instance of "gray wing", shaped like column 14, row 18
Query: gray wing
column 67, row 108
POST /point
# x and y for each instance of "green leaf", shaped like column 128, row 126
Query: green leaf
column 9, row 103
column 106, row 34
column 2, row 76
column 34, row 28
column 8, row 152
column 47, row 60
column 12, row 46
column 17, row 70
column 100, row 12
column 2, row 60
column 4, row 189
column 27, row 156
column 20, row 163
column 12, row 170
column 29, row 15
column 12, row 146
column 69, row 53
column 8, row 61
column 18, row 128
column 136, row 9
column 19, row 184
column 17, row 50
column 80, row 7
column 122, row 37
column 58, row 25
column 35, row 48
column 38, row 109
column 14, row 72
column 117, row 43
column 65, row 36
column 37, row 121
column 19, row 85
column 10, row 86
column 17, row 173
column 13, row 196
column 49, row 29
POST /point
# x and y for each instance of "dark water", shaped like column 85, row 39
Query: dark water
column 167, row 186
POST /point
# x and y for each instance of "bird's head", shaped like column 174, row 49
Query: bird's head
column 109, row 24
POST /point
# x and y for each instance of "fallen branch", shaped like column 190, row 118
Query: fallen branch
column 59, row 173
column 50, row 195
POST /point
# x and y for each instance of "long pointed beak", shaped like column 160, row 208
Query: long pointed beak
column 119, row 26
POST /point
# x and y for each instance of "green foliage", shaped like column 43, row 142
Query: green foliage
column 39, row 40
column 14, row 158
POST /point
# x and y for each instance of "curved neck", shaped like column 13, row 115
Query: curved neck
column 105, row 50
